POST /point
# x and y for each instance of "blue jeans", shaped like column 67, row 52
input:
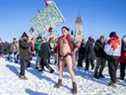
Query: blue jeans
column 38, row 60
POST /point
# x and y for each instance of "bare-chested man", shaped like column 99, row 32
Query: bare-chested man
column 65, row 53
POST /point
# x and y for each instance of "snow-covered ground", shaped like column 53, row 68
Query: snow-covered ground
column 41, row 83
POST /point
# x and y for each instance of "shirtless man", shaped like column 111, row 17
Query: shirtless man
column 65, row 53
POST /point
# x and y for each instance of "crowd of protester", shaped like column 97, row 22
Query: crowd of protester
column 92, row 55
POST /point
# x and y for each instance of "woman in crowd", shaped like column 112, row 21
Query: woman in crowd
column 113, row 51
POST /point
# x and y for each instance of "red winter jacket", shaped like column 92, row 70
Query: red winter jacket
column 122, row 58
column 68, row 38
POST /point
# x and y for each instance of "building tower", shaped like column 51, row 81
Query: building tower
column 79, row 26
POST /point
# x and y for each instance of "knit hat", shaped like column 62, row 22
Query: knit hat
column 24, row 35
column 113, row 34
column 90, row 39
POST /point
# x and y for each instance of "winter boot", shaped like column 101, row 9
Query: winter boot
column 59, row 84
column 23, row 77
column 101, row 76
column 96, row 76
column 52, row 71
column 74, row 90
column 40, row 69
column 111, row 84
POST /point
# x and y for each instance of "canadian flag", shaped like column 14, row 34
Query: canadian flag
column 47, row 2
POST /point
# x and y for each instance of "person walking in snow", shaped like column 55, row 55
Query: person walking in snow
column 32, row 45
column 45, row 55
column 90, row 54
column 123, row 59
column 8, row 50
column 15, row 49
column 65, row 53
column 31, row 50
column 52, row 44
column 1, row 47
column 24, row 54
column 100, row 57
column 37, row 50
column 81, row 54
column 113, row 51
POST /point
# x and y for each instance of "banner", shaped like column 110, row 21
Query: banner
column 49, row 17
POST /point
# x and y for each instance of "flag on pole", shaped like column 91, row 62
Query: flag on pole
column 47, row 2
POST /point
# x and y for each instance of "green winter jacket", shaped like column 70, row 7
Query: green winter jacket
column 37, row 46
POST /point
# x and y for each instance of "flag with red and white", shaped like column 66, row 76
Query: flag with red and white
column 47, row 2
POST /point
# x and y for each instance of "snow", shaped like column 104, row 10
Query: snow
column 41, row 83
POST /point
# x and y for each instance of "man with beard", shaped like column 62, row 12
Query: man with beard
column 24, row 54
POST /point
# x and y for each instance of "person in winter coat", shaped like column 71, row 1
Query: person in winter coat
column 65, row 53
column 53, row 57
column 113, row 51
column 6, row 48
column 100, row 57
column 81, row 54
column 1, row 47
column 24, row 54
column 32, row 45
column 52, row 43
column 15, row 49
column 45, row 54
column 37, row 50
column 31, row 50
column 89, row 53
column 123, row 59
